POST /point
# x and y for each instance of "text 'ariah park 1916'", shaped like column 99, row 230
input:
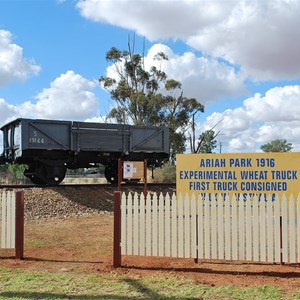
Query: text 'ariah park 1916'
column 251, row 172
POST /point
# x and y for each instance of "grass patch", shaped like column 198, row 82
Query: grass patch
column 24, row 284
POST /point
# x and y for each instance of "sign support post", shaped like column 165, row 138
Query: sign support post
column 117, row 230
column 119, row 174
column 145, row 178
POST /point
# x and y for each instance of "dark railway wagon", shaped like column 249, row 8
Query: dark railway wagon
column 50, row 147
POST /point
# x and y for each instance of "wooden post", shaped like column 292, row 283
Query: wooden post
column 145, row 178
column 117, row 230
column 19, row 225
column 120, row 175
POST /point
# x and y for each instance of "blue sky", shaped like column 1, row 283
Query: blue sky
column 241, row 59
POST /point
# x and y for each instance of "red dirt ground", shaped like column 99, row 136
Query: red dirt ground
column 84, row 244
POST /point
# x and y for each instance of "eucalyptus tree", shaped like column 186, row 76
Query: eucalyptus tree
column 145, row 96
column 279, row 145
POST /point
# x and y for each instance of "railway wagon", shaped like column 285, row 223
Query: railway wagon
column 50, row 147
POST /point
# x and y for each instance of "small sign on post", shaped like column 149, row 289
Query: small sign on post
column 133, row 169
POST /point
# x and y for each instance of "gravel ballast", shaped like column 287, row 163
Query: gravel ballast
column 63, row 202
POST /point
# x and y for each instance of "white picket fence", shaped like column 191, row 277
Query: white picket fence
column 211, row 227
column 8, row 219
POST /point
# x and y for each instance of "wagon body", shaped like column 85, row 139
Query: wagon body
column 58, row 145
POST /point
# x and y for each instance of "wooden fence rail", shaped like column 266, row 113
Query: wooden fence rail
column 211, row 227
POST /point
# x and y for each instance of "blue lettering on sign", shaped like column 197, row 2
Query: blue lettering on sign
column 284, row 175
column 254, row 175
column 264, row 186
column 213, row 163
column 225, row 186
column 240, row 162
column 199, row 186
column 208, row 175
column 261, row 197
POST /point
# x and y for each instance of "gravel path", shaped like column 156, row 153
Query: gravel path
column 62, row 202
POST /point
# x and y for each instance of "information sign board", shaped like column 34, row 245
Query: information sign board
column 133, row 170
column 239, row 173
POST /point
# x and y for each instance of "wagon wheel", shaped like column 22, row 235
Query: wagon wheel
column 54, row 175
column 111, row 174
column 34, row 177
column 45, row 174
column 36, row 180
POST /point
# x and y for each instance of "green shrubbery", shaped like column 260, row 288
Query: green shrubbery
column 165, row 174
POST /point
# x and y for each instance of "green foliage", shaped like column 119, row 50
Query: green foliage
column 279, row 145
column 17, row 171
column 13, row 172
column 207, row 142
column 138, row 97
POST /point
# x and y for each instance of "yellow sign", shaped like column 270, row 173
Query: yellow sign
column 239, row 173
column 133, row 170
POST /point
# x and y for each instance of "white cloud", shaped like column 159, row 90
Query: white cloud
column 69, row 97
column 262, row 118
column 7, row 112
column 202, row 78
column 262, row 37
column 13, row 66
column 156, row 20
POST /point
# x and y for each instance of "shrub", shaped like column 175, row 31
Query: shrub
column 165, row 174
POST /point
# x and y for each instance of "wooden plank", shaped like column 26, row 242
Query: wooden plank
column 277, row 229
column 207, row 230
column 234, row 242
column 187, row 229
column 8, row 220
column 161, row 227
column 292, row 230
column 142, row 224
column 148, row 225
column 227, row 204
column 255, row 229
column 135, row 224
column 174, row 225
column 220, row 228
column 241, row 210
column 4, row 221
column 270, row 229
column 167, row 226
column 262, row 225
column 154, row 225
column 285, row 232
column 248, row 229
column 193, row 227
column 214, row 244
column 129, row 223
column 200, row 227
column 123, row 224
column 180, row 227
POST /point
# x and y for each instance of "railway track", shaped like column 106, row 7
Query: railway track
column 102, row 185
